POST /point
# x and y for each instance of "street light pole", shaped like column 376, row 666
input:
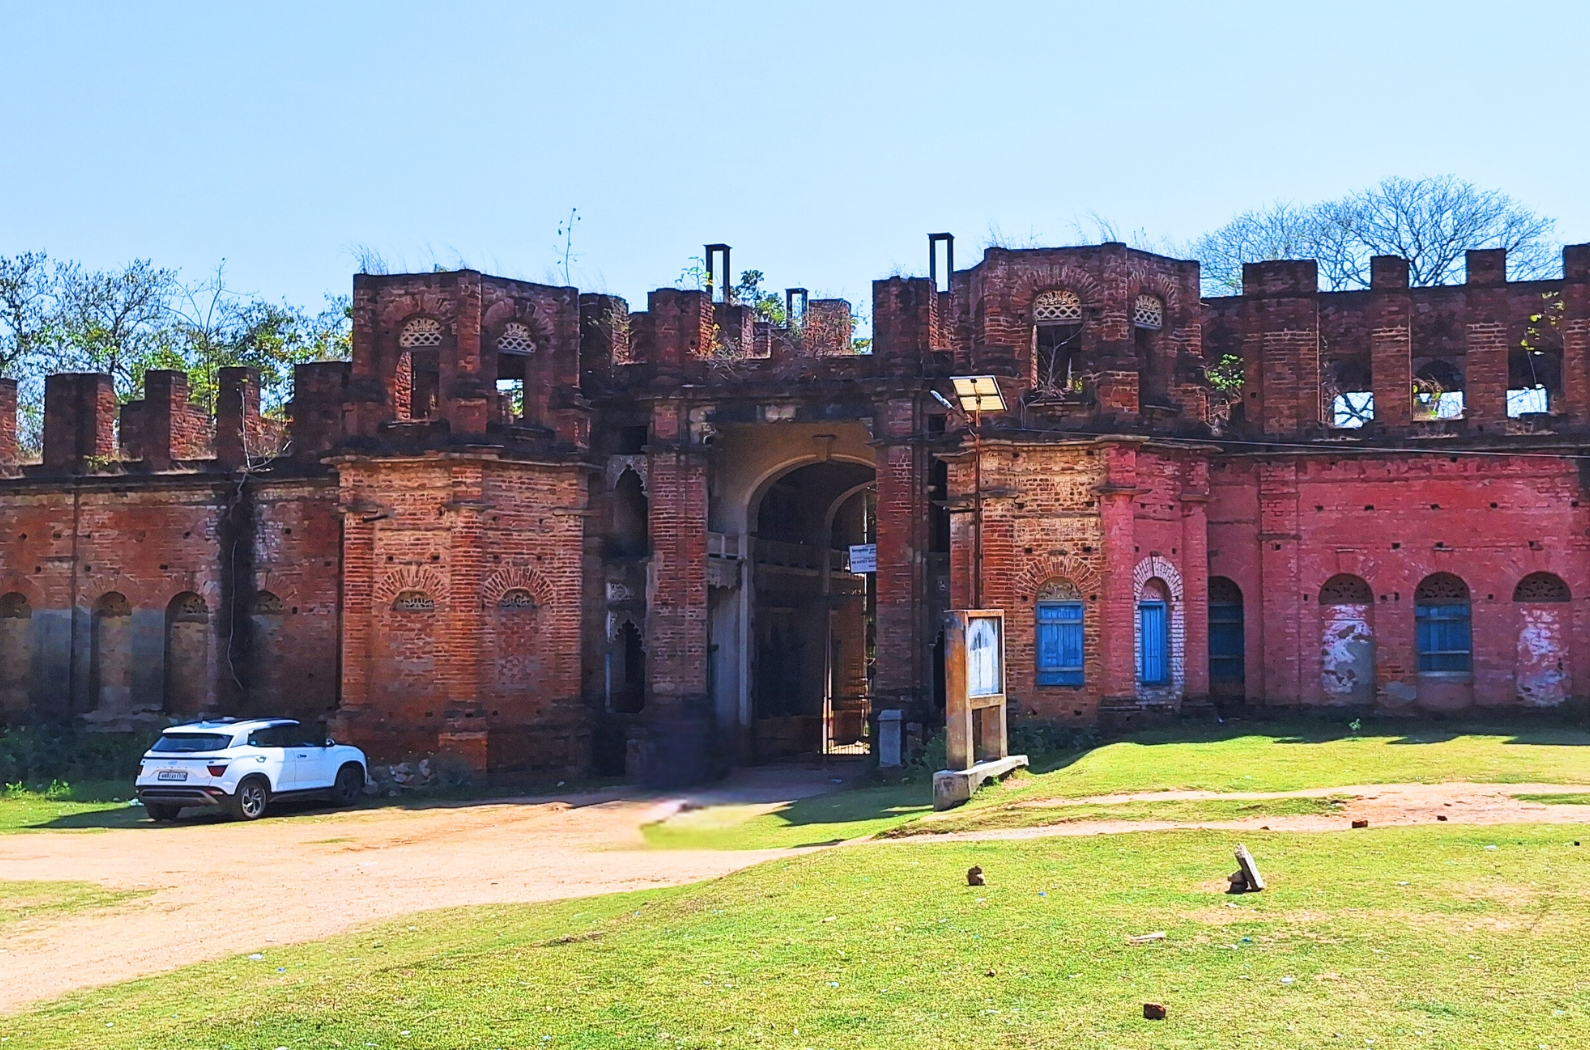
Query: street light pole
column 976, row 395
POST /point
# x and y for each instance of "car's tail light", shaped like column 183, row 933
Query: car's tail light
column 217, row 771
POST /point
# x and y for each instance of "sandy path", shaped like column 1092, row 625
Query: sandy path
column 1383, row 805
column 222, row 888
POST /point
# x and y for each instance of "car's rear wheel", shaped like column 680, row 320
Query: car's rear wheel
column 349, row 785
column 251, row 799
column 162, row 813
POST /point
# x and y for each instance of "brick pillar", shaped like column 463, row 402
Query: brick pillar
column 466, row 571
column 1281, row 323
column 1391, row 340
column 1279, row 572
column 466, row 392
column 238, row 433
column 79, row 420
column 1118, row 617
column 320, row 393
column 165, row 406
column 1576, row 332
column 358, row 582
column 1485, row 328
column 677, row 706
column 902, row 515
column 8, row 424
column 1195, row 577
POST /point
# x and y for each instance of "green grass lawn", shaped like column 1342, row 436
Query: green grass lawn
column 1235, row 758
column 68, row 808
column 21, row 901
column 1178, row 810
column 1407, row 937
column 1578, row 798
column 1291, row 757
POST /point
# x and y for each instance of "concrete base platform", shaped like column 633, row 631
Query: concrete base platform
column 951, row 787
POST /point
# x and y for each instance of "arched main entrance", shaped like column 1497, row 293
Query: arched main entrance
column 812, row 635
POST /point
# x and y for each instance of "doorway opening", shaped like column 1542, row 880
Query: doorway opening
column 814, row 612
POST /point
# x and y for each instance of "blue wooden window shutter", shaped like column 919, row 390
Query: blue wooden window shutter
column 1059, row 643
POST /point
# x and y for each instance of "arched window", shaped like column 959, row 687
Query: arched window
column 1153, row 634
column 421, row 332
column 1148, row 312
column 515, row 600
column 1441, row 613
column 1541, row 587
column 414, row 601
column 1059, row 633
column 1534, row 380
column 1148, row 317
column 1345, row 589
column 631, row 535
column 1057, row 307
column 1057, row 343
column 515, row 339
column 1226, row 641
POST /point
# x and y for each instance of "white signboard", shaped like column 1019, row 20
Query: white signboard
column 984, row 675
column 864, row 557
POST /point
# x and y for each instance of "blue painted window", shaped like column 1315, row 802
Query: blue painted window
column 1444, row 637
column 1225, row 631
column 1153, row 643
column 1059, row 643
column 1441, row 616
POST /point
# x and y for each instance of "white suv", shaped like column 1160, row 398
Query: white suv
column 243, row 766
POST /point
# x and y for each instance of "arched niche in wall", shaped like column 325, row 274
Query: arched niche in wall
column 631, row 533
column 1347, row 640
column 110, row 654
column 187, row 655
column 16, row 655
column 1544, row 621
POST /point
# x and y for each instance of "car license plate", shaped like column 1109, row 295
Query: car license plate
column 172, row 774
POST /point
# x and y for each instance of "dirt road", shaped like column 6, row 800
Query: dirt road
column 221, row 888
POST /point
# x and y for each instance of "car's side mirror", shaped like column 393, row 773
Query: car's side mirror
column 330, row 742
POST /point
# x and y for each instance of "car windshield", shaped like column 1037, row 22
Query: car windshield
column 192, row 742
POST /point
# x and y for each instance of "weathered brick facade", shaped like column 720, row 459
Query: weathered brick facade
column 532, row 528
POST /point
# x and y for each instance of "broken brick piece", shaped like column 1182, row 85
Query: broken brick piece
column 1153, row 1011
column 1360, row 823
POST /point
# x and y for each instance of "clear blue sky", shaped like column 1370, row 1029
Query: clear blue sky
column 821, row 140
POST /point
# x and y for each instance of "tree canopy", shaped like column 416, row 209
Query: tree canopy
column 1430, row 222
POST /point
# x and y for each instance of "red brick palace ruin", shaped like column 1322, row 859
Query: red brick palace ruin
column 533, row 528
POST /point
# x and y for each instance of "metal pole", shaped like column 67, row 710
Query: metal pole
column 977, row 509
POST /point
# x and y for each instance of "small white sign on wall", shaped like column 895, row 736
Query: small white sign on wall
column 864, row 557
